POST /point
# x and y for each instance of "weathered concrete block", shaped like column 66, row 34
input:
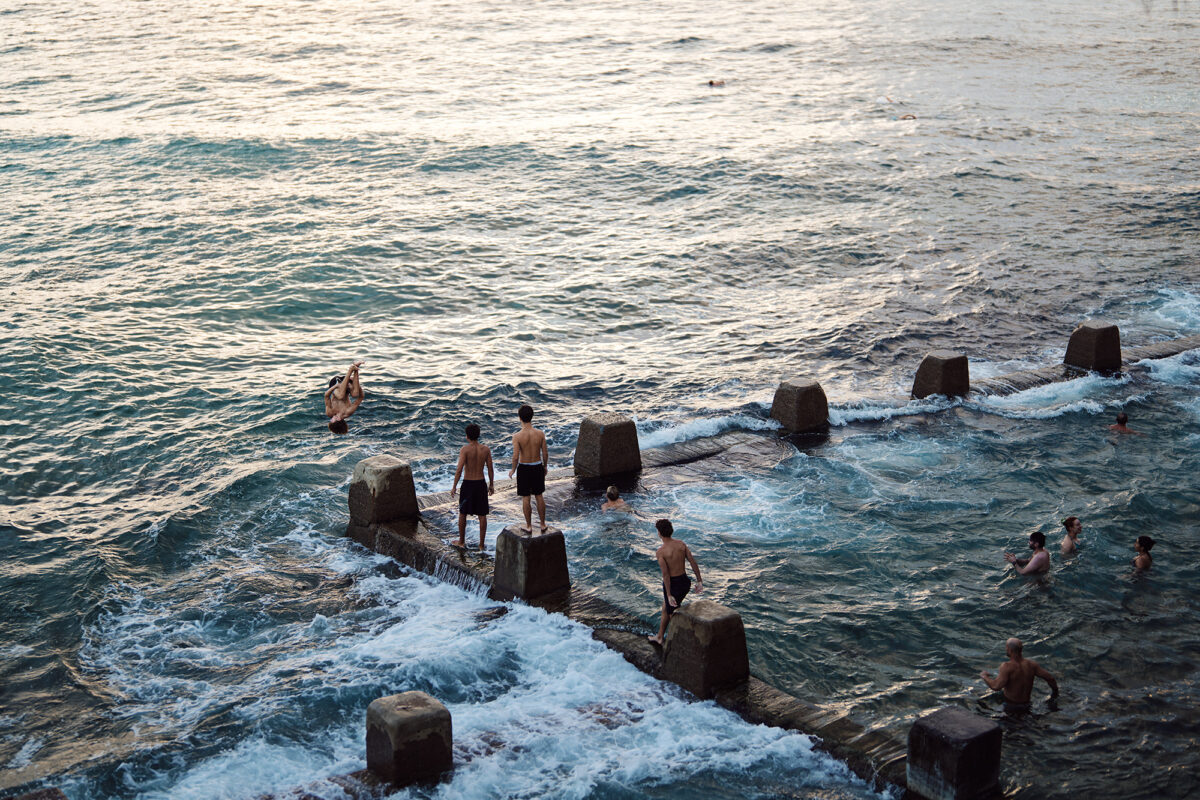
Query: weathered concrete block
column 409, row 738
column 800, row 406
column 705, row 648
column 607, row 445
column 1095, row 345
column 954, row 755
column 529, row 565
column 42, row 794
column 382, row 490
column 942, row 372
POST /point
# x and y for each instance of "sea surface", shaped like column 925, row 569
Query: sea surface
column 209, row 208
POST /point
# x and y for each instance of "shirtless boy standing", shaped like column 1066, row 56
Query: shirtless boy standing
column 343, row 397
column 529, row 461
column 474, row 500
column 1016, row 678
column 676, row 584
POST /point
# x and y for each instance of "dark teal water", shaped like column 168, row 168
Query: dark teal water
column 208, row 209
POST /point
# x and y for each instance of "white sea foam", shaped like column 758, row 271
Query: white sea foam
column 1178, row 309
column 24, row 756
column 657, row 434
column 868, row 411
column 1178, row 370
column 1053, row 399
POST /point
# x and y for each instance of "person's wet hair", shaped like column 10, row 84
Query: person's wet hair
column 1069, row 522
column 611, row 493
column 339, row 427
column 665, row 528
column 1145, row 542
column 1122, row 418
column 525, row 413
column 1038, row 538
column 473, row 432
column 335, row 380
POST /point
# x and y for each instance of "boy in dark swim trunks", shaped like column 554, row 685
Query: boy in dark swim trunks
column 676, row 584
column 530, row 459
column 474, row 499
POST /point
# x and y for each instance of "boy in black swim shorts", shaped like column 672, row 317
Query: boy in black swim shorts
column 474, row 499
column 529, row 461
column 672, row 556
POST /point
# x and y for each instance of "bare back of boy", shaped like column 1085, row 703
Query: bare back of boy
column 474, row 457
column 674, row 555
column 529, row 443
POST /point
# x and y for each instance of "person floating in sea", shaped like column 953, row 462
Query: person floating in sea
column 1070, row 542
column 343, row 397
column 1038, row 562
column 716, row 83
column 676, row 584
column 529, row 461
column 474, row 500
column 1016, row 676
column 1122, row 426
column 614, row 501
column 1143, row 559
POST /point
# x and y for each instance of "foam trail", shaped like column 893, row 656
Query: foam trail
column 1051, row 400
column 657, row 434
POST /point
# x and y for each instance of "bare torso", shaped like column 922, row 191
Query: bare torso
column 674, row 555
column 474, row 456
column 528, row 445
column 1018, row 679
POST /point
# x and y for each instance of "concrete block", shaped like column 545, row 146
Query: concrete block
column 1095, row 346
column 607, row 445
column 409, row 738
column 42, row 794
column 705, row 648
column 954, row 755
column 942, row 372
column 529, row 565
column 800, row 406
column 382, row 490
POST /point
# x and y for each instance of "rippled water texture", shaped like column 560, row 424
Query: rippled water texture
column 207, row 209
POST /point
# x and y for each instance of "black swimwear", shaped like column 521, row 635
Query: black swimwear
column 473, row 498
column 531, row 479
column 1017, row 708
column 680, row 586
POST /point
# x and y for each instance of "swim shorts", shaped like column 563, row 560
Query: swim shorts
column 680, row 586
column 531, row 479
column 1017, row 708
column 473, row 498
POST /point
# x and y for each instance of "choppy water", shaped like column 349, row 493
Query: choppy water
column 207, row 209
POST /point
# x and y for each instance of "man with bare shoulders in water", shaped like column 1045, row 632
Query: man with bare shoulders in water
column 1016, row 678
column 472, row 458
column 672, row 556
column 530, row 460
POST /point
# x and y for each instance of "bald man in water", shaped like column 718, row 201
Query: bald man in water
column 1016, row 676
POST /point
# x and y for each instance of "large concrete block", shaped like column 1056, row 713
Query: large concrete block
column 954, row 755
column 382, row 490
column 409, row 738
column 529, row 565
column 800, row 406
column 608, row 445
column 1095, row 345
column 705, row 648
column 942, row 372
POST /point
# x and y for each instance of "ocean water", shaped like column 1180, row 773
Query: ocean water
column 209, row 208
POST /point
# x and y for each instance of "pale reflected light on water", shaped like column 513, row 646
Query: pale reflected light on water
column 207, row 209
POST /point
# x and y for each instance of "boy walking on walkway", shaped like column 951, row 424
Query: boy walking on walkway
column 474, row 500
column 676, row 584
column 529, row 461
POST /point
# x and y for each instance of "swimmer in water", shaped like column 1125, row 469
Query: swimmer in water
column 1122, row 427
column 1143, row 559
column 717, row 83
column 1070, row 542
column 1038, row 562
column 614, row 501
column 529, row 461
column 676, row 584
column 1015, row 677
column 343, row 397
column 472, row 458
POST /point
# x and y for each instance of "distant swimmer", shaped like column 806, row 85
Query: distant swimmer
column 909, row 116
column 614, row 501
column 1122, row 426
column 1016, row 676
column 1038, row 562
column 530, row 459
column 676, row 584
column 716, row 83
column 1070, row 542
column 474, row 501
column 343, row 397
column 1143, row 559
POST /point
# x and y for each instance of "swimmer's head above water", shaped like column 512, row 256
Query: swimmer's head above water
column 611, row 493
